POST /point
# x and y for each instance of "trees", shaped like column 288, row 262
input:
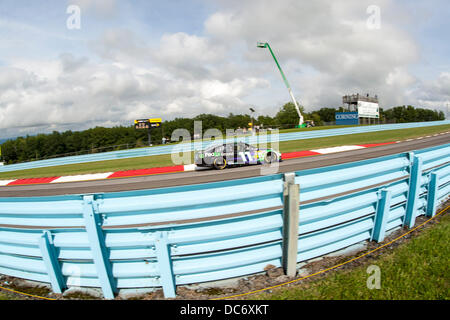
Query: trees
column 265, row 121
column 287, row 117
column 234, row 121
column 326, row 114
column 210, row 121
column 409, row 113
column 314, row 116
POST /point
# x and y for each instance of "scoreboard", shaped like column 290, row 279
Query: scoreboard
column 147, row 123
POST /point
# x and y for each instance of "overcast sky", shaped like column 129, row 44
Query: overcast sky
column 136, row 59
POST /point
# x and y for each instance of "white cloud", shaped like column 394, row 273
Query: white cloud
column 102, row 8
column 181, row 48
column 324, row 47
column 433, row 94
column 58, row 94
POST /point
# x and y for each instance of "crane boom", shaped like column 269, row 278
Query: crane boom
column 266, row 45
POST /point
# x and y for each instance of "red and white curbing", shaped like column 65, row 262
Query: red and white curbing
column 99, row 176
column 306, row 153
column 171, row 169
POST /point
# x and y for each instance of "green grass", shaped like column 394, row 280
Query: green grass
column 361, row 138
column 165, row 160
column 91, row 167
column 416, row 269
column 5, row 297
column 319, row 128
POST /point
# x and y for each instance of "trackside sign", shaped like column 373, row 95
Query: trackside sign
column 346, row 118
column 368, row 109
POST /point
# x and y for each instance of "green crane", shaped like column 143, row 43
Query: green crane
column 266, row 45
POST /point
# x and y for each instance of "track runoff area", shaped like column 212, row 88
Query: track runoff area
column 186, row 174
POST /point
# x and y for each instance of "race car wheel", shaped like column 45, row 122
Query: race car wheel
column 271, row 157
column 220, row 163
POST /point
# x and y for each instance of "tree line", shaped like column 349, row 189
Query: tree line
column 100, row 139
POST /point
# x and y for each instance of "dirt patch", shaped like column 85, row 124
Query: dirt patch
column 23, row 286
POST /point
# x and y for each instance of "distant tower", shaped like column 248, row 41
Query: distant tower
column 366, row 106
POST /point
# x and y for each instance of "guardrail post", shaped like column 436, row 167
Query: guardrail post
column 165, row 264
column 98, row 247
column 381, row 215
column 413, row 193
column 51, row 262
column 433, row 188
column 291, row 202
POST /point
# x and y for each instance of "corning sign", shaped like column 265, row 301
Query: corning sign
column 345, row 118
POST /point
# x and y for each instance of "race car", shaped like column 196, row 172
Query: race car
column 234, row 154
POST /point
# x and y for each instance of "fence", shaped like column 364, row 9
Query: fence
column 187, row 147
column 198, row 233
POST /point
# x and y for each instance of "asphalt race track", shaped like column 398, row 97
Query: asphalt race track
column 204, row 176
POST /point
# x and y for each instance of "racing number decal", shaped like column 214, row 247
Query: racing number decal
column 249, row 156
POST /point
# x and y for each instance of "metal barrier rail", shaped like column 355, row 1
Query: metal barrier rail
column 198, row 233
column 159, row 150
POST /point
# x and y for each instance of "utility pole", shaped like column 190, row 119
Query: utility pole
column 149, row 137
column 266, row 45
column 253, row 123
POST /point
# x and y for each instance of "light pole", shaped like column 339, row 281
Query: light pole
column 266, row 45
column 251, row 118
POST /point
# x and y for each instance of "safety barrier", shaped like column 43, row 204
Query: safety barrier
column 198, row 233
column 187, row 147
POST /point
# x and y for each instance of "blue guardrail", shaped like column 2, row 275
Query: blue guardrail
column 167, row 237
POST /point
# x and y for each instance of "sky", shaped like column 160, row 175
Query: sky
column 77, row 64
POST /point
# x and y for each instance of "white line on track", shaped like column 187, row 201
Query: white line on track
column 83, row 177
column 337, row 149
column 5, row 182
column 190, row 167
